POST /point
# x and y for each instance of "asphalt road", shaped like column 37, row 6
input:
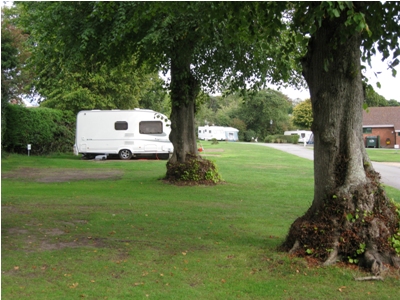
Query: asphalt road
column 390, row 174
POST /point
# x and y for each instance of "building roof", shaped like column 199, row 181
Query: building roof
column 380, row 116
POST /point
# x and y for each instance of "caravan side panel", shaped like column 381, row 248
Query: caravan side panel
column 109, row 132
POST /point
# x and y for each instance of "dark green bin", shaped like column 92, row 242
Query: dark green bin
column 372, row 142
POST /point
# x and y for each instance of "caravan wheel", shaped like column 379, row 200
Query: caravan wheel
column 125, row 154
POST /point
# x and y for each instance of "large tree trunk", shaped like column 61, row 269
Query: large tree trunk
column 184, row 90
column 185, row 165
column 350, row 215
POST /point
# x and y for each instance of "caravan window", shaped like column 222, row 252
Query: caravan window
column 151, row 127
column 121, row 125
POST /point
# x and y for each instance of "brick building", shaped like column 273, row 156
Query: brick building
column 383, row 122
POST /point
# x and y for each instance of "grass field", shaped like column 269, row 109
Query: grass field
column 384, row 155
column 75, row 229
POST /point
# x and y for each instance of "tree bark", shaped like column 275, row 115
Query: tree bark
column 184, row 90
column 350, row 215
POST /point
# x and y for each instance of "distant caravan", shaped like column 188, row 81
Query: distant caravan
column 219, row 133
column 305, row 135
column 126, row 133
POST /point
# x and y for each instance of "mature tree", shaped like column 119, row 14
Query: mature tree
column 201, row 43
column 13, row 56
column 218, row 110
column 259, row 109
column 350, row 217
column 103, row 87
column 14, row 53
column 302, row 114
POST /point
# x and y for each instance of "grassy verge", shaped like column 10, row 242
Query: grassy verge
column 131, row 236
column 384, row 155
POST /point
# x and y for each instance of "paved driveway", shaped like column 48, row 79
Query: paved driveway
column 390, row 173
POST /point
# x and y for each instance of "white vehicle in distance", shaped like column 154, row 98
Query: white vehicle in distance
column 126, row 133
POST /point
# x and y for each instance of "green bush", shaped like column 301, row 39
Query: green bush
column 293, row 139
column 47, row 130
column 214, row 141
column 249, row 135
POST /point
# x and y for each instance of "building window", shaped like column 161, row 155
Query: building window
column 367, row 130
column 121, row 125
column 150, row 127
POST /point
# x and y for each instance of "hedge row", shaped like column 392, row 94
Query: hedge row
column 291, row 139
column 47, row 130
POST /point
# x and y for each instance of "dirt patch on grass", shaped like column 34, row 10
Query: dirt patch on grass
column 61, row 175
column 36, row 239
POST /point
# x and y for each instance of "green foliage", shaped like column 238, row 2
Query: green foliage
column 249, row 135
column 171, row 31
column 10, row 65
column 373, row 99
column 395, row 239
column 302, row 115
column 120, row 87
column 214, row 141
column 14, row 54
column 219, row 110
column 260, row 108
column 292, row 139
column 47, row 130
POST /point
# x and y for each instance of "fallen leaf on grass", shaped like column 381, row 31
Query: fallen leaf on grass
column 223, row 280
column 16, row 268
column 74, row 285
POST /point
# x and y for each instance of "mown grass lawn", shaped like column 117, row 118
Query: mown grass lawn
column 119, row 232
column 384, row 155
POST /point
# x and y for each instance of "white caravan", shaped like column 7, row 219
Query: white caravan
column 127, row 133
column 218, row 132
column 305, row 135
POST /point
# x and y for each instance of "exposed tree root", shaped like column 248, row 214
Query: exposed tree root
column 354, row 227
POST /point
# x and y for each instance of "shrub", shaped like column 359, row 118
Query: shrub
column 294, row 139
column 214, row 141
column 249, row 135
column 47, row 130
